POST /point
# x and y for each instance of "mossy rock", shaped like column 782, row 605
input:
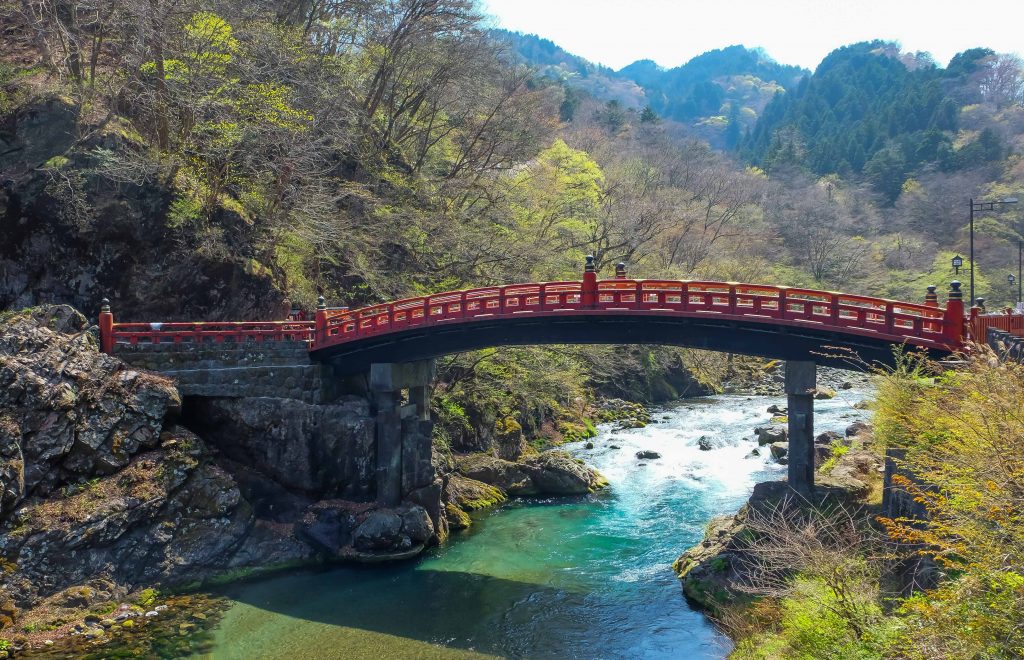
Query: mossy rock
column 472, row 495
column 457, row 518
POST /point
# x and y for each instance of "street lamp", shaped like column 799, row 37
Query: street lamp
column 958, row 263
column 1011, row 279
column 1020, row 269
column 983, row 206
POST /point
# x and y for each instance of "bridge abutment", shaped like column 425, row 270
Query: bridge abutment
column 801, row 381
column 403, row 431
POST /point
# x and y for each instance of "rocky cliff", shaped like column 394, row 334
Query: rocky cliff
column 82, row 219
column 100, row 481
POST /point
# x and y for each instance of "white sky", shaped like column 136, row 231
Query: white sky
column 803, row 32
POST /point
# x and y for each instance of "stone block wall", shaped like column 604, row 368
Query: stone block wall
column 1006, row 345
column 279, row 369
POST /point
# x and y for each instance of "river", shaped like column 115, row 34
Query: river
column 583, row 577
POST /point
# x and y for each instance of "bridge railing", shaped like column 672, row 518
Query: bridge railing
column 796, row 306
column 923, row 324
column 134, row 334
column 1011, row 323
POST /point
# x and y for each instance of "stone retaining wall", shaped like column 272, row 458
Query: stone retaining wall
column 280, row 369
column 1006, row 345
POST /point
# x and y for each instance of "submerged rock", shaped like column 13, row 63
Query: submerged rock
column 647, row 454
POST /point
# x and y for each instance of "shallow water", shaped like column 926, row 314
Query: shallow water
column 584, row 577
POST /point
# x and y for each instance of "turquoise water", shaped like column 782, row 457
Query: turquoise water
column 584, row 577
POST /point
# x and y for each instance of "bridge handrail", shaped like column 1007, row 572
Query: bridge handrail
column 176, row 332
column 892, row 320
column 850, row 312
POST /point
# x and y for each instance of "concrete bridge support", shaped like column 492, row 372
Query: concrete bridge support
column 801, row 381
column 403, row 431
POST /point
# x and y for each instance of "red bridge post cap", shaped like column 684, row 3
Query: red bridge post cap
column 620, row 270
column 954, row 290
column 321, row 303
column 105, row 306
column 590, row 268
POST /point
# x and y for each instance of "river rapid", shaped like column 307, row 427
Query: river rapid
column 583, row 577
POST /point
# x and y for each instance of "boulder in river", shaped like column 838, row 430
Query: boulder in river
column 647, row 454
column 779, row 450
column 827, row 438
column 769, row 434
column 549, row 473
column 705, row 443
column 857, row 428
column 824, row 392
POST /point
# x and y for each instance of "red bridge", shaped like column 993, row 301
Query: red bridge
column 393, row 344
column 770, row 321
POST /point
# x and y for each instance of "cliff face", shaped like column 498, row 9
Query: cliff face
column 77, row 228
column 99, row 481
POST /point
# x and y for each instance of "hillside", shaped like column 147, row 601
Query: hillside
column 719, row 94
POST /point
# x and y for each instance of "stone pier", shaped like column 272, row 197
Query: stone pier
column 403, row 430
column 801, row 381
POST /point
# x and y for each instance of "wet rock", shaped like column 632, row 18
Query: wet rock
column 472, row 495
column 416, row 523
column 777, row 410
column 779, row 450
column 506, row 475
column 705, row 443
column 327, row 526
column 557, row 473
column 862, row 405
column 754, row 452
column 614, row 447
column 589, row 445
column 846, row 385
column 857, row 428
column 647, row 454
column 380, row 530
column 456, row 517
column 824, row 392
column 766, row 435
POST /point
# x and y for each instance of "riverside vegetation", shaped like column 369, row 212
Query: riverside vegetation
column 933, row 572
column 198, row 159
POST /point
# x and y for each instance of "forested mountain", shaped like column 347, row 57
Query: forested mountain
column 711, row 83
column 870, row 110
column 719, row 94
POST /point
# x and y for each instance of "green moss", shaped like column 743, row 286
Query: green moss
column 488, row 496
column 147, row 597
column 457, row 518
column 56, row 162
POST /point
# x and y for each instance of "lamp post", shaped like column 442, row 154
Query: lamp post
column 983, row 206
column 1020, row 263
column 958, row 263
column 1011, row 279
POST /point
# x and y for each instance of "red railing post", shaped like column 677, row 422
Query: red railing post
column 620, row 271
column 589, row 294
column 953, row 320
column 106, row 324
column 320, row 324
column 931, row 299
